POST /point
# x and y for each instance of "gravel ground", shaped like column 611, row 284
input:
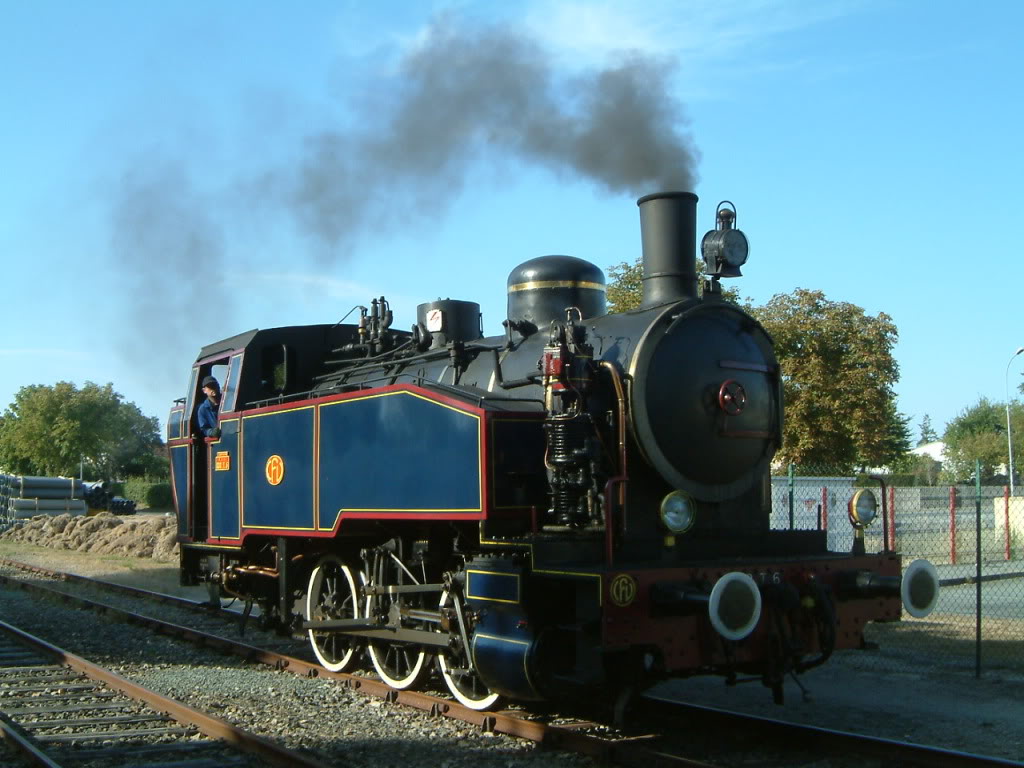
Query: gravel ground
column 339, row 726
column 931, row 702
column 938, row 707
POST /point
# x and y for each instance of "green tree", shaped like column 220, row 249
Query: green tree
column 928, row 434
column 978, row 433
column 925, row 469
column 838, row 375
column 625, row 286
column 51, row 430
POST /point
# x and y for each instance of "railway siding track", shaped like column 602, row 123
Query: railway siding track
column 203, row 616
column 58, row 709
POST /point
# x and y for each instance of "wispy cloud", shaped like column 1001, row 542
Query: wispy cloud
column 696, row 32
column 587, row 31
column 325, row 287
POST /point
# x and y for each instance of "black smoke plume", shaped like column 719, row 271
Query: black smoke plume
column 467, row 94
column 168, row 250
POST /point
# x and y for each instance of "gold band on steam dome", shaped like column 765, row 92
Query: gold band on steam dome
column 535, row 284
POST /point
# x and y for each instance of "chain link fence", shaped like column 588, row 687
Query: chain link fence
column 973, row 535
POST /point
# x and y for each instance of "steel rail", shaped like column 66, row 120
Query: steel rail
column 110, row 586
column 629, row 751
column 210, row 726
column 826, row 740
column 16, row 736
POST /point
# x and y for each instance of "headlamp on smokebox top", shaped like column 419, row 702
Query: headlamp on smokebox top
column 678, row 512
column 725, row 248
column 862, row 509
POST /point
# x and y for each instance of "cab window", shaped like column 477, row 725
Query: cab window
column 190, row 398
column 230, row 388
column 218, row 370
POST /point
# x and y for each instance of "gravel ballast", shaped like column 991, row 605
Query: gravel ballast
column 930, row 702
column 336, row 724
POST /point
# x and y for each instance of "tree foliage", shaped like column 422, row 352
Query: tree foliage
column 626, row 286
column 838, row 374
column 925, row 470
column 978, row 433
column 52, row 430
column 928, row 434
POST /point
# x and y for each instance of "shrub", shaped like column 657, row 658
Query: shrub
column 148, row 492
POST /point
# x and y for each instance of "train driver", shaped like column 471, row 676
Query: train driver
column 207, row 415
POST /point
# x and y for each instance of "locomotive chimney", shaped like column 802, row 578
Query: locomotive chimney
column 668, row 233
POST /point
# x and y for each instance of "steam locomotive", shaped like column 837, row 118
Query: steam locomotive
column 579, row 505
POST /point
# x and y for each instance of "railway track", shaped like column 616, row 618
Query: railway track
column 585, row 738
column 204, row 616
column 796, row 744
column 60, row 710
column 674, row 747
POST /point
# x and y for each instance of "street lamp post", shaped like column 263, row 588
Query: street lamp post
column 1009, row 434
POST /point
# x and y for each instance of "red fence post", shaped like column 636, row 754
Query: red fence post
column 1006, row 514
column 892, row 518
column 952, row 524
column 824, row 509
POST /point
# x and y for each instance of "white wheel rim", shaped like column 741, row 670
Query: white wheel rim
column 481, row 704
column 346, row 659
column 378, row 655
column 400, row 683
column 478, row 704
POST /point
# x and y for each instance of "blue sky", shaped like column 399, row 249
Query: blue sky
column 155, row 160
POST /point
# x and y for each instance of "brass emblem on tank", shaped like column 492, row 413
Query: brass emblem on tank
column 622, row 590
column 275, row 470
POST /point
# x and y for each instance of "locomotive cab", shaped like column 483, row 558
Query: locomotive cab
column 254, row 369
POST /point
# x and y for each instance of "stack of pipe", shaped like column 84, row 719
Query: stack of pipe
column 6, row 485
column 31, row 496
column 96, row 495
column 121, row 506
